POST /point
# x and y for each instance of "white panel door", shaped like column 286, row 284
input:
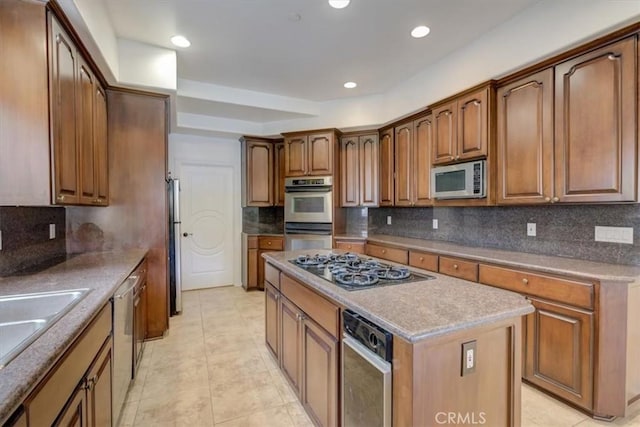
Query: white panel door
column 206, row 206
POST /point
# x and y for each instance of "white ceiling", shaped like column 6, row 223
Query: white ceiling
column 253, row 44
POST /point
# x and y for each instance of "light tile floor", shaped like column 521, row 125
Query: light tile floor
column 213, row 369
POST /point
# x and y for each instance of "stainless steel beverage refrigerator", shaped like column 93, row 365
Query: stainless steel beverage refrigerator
column 175, row 283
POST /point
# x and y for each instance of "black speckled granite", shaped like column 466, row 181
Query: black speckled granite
column 566, row 231
column 25, row 238
column 263, row 220
column 357, row 222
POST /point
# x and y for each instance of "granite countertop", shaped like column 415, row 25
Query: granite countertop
column 542, row 263
column 102, row 272
column 418, row 310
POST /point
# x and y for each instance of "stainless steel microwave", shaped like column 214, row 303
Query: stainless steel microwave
column 460, row 181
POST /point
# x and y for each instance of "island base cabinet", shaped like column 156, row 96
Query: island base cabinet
column 291, row 336
column 559, row 351
column 319, row 368
column 272, row 319
column 429, row 388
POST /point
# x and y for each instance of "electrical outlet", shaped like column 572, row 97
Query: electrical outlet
column 531, row 229
column 52, row 231
column 435, row 224
column 469, row 357
column 388, row 219
column 614, row 234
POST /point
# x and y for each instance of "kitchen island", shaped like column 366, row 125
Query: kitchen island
column 430, row 321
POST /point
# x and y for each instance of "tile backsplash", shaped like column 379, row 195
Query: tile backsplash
column 566, row 231
column 268, row 220
column 25, row 238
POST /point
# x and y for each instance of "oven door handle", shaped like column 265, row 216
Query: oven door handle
column 313, row 232
column 307, row 190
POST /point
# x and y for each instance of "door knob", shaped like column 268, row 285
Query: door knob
column 187, row 234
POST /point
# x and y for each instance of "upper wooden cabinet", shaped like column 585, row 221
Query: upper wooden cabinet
column 596, row 125
column 568, row 133
column 412, row 154
column 309, row 153
column 525, row 140
column 78, row 124
column 279, row 173
column 258, row 172
column 53, row 129
column 461, row 127
column 262, row 172
column 359, row 170
column 386, row 167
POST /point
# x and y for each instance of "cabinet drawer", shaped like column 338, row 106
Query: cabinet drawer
column 272, row 275
column 323, row 312
column 567, row 291
column 423, row 260
column 462, row 269
column 353, row 247
column 273, row 243
column 392, row 254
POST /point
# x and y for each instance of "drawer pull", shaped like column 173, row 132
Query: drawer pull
column 421, row 258
column 384, row 251
column 269, row 243
column 455, row 266
column 348, row 246
column 525, row 281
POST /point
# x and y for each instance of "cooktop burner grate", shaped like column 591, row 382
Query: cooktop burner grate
column 352, row 272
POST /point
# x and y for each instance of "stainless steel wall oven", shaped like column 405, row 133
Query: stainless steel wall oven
column 308, row 213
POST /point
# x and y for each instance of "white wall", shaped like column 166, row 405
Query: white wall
column 147, row 66
column 213, row 151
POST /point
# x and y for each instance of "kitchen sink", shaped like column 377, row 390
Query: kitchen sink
column 23, row 318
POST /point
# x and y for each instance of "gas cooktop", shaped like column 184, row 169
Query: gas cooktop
column 353, row 272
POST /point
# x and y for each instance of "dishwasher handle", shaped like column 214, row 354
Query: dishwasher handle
column 125, row 293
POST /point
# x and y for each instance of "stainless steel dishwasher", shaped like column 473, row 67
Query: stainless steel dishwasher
column 366, row 373
column 123, row 330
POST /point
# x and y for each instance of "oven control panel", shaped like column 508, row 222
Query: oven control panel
column 368, row 334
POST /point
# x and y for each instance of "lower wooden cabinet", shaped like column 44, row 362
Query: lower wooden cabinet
column 255, row 247
column 559, row 351
column 90, row 404
column 77, row 390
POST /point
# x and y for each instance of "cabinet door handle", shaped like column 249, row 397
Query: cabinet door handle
column 547, row 199
column 60, row 198
column 555, row 199
column 276, row 297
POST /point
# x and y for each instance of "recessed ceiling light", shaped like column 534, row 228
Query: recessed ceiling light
column 339, row 4
column 180, row 41
column 350, row 85
column 419, row 32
